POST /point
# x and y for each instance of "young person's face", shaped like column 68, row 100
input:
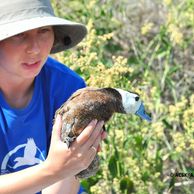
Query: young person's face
column 23, row 55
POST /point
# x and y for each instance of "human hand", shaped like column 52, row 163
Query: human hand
column 103, row 137
column 63, row 161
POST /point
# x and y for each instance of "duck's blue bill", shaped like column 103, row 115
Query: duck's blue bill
column 141, row 113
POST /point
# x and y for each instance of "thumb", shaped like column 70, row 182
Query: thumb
column 56, row 132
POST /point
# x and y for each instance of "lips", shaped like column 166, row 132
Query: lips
column 31, row 65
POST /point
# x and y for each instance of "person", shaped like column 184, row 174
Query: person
column 33, row 159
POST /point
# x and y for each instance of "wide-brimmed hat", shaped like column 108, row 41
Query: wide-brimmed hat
column 18, row 16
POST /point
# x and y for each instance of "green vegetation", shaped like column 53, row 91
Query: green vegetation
column 147, row 47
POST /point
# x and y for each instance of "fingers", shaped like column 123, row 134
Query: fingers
column 96, row 143
column 95, row 137
column 89, row 149
column 91, row 154
column 86, row 133
column 88, row 136
column 81, row 152
column 104, row 135
column 56, row 133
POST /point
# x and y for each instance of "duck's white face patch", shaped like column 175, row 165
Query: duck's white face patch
column 130, row 104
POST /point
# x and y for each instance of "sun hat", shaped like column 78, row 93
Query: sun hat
column 18, row 16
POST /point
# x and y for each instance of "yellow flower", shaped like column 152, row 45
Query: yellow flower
column 145, row 130
column 179, row 149
column 169, row 18
column 158, row 129
column 192, row 99
column 119, row 134
column 179, row 142
column 172, row 110
column 157, row 174
column 167, row 2
column 146, row 28
column 91, row 4
column 146, row 164
column 175, row 35
column 90, row 24
column 192, row 144
column 105, row 37
column 188, row 120
column 153, row 91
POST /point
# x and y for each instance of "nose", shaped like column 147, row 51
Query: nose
column 136, row 98
column 33, row 47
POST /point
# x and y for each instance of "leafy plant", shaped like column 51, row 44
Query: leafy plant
column 147, row 48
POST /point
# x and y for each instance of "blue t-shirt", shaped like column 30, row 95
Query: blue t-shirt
column 25, row 133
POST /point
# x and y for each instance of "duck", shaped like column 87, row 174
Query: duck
column 90, row 103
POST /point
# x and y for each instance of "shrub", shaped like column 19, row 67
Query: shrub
column 148, row 48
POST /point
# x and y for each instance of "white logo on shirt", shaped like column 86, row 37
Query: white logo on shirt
column 28, row 158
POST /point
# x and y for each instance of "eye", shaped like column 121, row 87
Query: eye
column 19, row 36
column 45, row 30
column 136, row 98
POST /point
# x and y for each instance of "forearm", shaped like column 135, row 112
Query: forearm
column 61, row 162
column 30, row 180
column 66, row 186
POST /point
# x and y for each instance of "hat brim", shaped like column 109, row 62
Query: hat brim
column 62, row 28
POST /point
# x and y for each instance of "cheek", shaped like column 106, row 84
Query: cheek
column 47, row 43
column 51, row 40
column 5, row 57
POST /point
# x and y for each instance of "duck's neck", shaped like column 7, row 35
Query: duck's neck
column 116, row 100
